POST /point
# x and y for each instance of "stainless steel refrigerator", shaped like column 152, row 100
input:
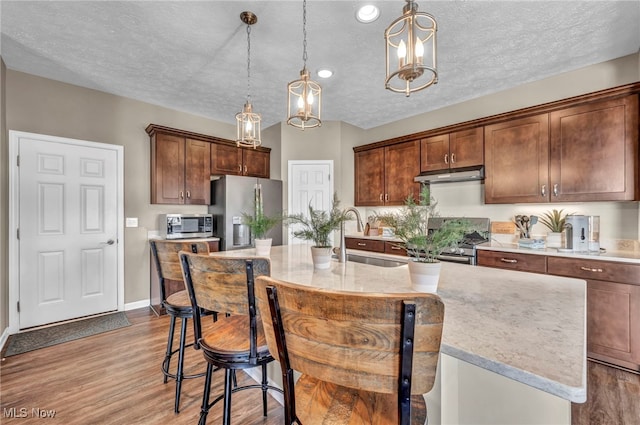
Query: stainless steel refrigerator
column 233, row 195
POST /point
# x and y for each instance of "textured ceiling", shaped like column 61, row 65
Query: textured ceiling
column 192, row 56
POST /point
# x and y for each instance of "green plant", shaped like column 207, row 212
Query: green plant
column 318, row 224
column 259, row 223
column 410, row 224
column 554, row 220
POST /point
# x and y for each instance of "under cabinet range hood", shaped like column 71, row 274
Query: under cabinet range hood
column 461, row 175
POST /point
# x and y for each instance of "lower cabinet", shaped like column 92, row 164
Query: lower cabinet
column 375, row 245
column 613, row 300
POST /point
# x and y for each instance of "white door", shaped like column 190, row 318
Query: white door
column 68, row 230
column 310, row 182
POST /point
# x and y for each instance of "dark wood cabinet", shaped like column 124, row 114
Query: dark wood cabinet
column 372, row 245
column 180, row 170
column 594, row 152
column 232, row 160
column 384, row 176
column 613, row 300
column 613, row 307
column 582, row 153
column 461, row 149
column 516, row 155
column 513, row 261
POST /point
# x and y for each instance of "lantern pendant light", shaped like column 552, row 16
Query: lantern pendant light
column 411, row 51
column 248, row 123
column 304, row 95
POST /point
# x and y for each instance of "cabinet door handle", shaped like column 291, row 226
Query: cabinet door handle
column 509, row 260
column 453, row 158
column 181, row 195
column 240, row 168
column 381, row 197
column 245, row 169
column 543, row 190
column 555, row 189
column 386, row 197
column 396, row 248
column 589, row 269
column 446, row 158
column 362, row 244
column 188, row 195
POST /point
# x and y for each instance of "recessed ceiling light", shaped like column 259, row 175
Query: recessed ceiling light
column 325, row 73
column 367, row 13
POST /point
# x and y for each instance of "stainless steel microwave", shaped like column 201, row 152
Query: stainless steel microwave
column 185, row 226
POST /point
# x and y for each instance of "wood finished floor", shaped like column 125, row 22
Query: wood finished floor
column 115, row 378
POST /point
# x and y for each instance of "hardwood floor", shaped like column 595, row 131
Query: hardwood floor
column 115, row 378
column 613, row 398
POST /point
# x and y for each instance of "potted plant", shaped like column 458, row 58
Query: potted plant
column 410, row 224
column 260, row 224
column 554, row 220
column 316, row 227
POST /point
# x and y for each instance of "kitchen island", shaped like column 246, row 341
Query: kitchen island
column 498, row 324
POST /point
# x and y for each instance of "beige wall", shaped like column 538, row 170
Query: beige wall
column 40, row 105
column 4, row 204
column 44, row 106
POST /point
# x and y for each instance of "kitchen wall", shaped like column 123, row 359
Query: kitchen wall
column 4, row 204
column 34, row 104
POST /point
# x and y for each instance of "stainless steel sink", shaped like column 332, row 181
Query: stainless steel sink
column 380, row 262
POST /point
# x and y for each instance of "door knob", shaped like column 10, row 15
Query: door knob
column 109, row 242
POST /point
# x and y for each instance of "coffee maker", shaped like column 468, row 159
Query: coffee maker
column 577, row 233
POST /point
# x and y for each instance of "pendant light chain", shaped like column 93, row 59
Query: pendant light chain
column 249, row 63
column 304, row 32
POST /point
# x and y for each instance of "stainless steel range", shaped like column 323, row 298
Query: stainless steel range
column 465, row 250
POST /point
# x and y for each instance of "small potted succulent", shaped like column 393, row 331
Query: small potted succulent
column 410, row 224
column 554, row 220
column 316, row 226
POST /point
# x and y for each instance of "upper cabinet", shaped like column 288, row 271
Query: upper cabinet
column 583, row 153
column 516, row 155
column 384, row 175
column 461, row 149
column 229, row 159
column 182, row 163
column 594, row 152
column 180, row 170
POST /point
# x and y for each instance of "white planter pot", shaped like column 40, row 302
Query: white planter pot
column 554, row 239
column 424, row 276
column 263, row 247
column 321, row 257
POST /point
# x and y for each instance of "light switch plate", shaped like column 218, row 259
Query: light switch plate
column 131, row 222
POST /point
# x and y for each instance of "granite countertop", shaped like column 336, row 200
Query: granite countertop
column 528, row 327
column 620, row 255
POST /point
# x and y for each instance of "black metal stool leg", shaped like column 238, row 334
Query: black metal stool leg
column 264, row 389
column 226, row 416
column 167, row 356
column 179, row 373
column 205, row 395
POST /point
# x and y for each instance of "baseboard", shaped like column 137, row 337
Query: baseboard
column 3, row 338
column 256, row 374
column 137, row 304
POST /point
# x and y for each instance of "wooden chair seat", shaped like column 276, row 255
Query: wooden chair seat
column 320, row 403
column 179, row 299
column 227, row 341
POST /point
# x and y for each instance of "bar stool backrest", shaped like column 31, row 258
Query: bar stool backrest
column 167, row 260
column 354, row 339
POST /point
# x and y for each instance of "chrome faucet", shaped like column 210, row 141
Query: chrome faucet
column 342, row 256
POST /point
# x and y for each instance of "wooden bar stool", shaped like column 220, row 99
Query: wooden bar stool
column 234, row 342
column 177, row 305
column 364, row 358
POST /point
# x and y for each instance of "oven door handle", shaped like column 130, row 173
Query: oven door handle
column 456, row 259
